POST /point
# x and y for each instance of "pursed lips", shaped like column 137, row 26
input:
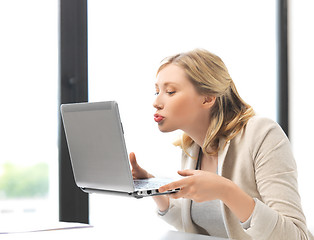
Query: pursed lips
column 158, row 118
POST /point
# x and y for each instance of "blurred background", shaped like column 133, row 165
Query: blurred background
column 126, row 42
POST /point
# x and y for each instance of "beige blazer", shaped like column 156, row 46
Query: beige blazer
column 260, row 162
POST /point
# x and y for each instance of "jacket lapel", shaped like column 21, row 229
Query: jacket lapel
column 222, row 154
column 189, row 163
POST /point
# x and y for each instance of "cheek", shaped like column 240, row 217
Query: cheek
column 183, row 106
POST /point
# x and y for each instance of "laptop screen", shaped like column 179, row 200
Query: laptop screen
column 97, row 147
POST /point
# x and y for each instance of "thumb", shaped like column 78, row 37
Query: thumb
column 133, row 160
column 186, row 172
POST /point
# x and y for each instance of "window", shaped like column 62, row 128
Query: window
column 29, row 111
column 127, row 41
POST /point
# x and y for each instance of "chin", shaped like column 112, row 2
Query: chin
column 164, row 129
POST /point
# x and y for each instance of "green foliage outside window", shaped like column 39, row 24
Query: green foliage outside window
column 24, row 181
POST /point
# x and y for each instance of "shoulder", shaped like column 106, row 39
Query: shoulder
column 264, row 136
column 258, row 121
column 261, row 132
column 261, row 127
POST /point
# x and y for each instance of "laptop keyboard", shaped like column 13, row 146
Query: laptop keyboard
column 151, row 183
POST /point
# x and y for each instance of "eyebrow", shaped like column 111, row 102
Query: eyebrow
column 166, row 84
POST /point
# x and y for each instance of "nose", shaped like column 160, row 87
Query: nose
column 157, row 103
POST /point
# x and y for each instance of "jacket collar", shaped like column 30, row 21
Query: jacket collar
column 194, row 152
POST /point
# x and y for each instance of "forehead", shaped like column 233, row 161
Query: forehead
column 171, row 74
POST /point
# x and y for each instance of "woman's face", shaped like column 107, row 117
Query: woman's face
column 178, row 105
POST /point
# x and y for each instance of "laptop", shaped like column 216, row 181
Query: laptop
column 98, row 152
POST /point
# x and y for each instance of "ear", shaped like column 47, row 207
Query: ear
column 209, row 101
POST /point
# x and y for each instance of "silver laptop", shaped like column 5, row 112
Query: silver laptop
column 98, row 152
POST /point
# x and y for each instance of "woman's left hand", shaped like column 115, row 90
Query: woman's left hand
column 197, row 185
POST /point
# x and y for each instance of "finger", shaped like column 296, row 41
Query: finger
column 175, row 195
column 133, row 160
column 172, row 185
column 186, row 173
column 179, row 194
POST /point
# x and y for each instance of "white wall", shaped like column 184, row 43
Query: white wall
column 301, row 65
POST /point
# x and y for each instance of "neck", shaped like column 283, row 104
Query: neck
column 198, row 133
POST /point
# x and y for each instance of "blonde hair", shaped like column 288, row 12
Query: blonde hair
column 210, row 77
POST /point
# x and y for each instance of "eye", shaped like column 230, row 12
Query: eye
column 156, row 93
column 171, row 92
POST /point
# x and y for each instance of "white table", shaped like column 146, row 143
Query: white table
column 84, row 232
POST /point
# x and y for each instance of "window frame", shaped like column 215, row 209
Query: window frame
column 73, row 84
column 282, row 66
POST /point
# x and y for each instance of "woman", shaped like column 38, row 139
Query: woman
column 240, row 178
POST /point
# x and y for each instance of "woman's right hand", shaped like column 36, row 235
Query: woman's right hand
column 137, row 171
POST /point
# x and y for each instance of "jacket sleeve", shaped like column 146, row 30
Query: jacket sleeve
column 179, row 208
column 279, row 214
column 173, row 214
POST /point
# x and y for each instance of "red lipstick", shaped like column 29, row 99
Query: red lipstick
column 158, row 118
